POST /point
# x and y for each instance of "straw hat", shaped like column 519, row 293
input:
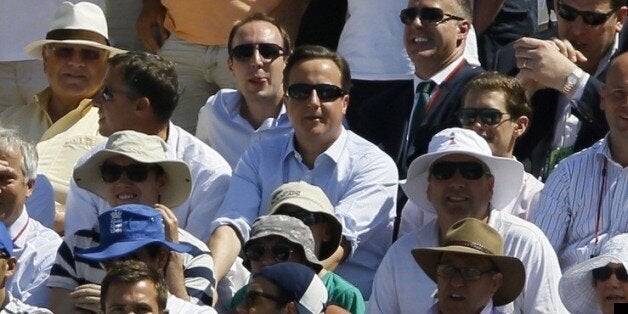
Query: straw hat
column 83, row 23
column 472, row 236
column 143, row 148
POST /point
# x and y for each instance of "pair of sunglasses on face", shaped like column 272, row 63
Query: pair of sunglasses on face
column 325, row 92
column 604, row 273
column 488, row 116
column 135, row 172
column 466, row 273
column 588, row 17
column 470, row 170
column 86, row 54
column 267, row 51
column 426, row 15
column 280, row 252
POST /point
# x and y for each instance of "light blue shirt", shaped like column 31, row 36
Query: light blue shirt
column 221, row 126
column 359, row 179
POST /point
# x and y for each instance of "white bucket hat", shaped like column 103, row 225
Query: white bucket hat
column 576, row 286
column 83, row 23
column 508, row 172
column 143, row 148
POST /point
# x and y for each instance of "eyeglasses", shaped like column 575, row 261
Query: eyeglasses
column 466, row 273
column 252, row 296
column 281, row 252
column 487, row 116
column 135, row 172
column 108, row 93
column 588, row 17
column 268, row 51
column 325, row 92
column 469, row 170
column 603, row 273
column 67, row 52
column 307, row 218
column 426, row 15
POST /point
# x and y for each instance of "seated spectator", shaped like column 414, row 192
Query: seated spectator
column 470, row 270
column 41, row 204
column 34, row 246
column 8, row 265
column 597, row 284
column 136, row 232
column 233, row 119
column 132, row 169
column 289, row 287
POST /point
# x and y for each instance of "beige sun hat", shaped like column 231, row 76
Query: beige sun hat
column 143, row 148
column 83, row 23
column 473, row 236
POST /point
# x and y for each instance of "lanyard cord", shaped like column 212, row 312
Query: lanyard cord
column 599, row 203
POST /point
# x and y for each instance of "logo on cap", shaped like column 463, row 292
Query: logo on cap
column 116, row 222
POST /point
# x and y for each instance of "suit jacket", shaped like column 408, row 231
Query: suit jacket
column 533, row 148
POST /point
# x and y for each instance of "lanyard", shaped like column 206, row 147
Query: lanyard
column 22, row 230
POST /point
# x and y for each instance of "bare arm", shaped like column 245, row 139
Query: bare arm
column 484, row 13
column 341, row 254
column 150, row 25
column 225, row 246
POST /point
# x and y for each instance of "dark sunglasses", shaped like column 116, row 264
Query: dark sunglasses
column 251, row 297
column 487, row 116
column 108, row 93
column 281, row 252
column 588, row 17
column 426, row 15
column 603, row 273
column 307, row 218
column 325, row 92
column 86, row 54
column 135, row 172
column 466, row 273
column 469, row 170
column 268, row 51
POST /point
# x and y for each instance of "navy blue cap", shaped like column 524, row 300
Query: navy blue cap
column 6, row 244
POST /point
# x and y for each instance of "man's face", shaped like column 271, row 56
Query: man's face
column 288, row 252
column 501, row 137
column 13, row 189
column 316, row 121
column 262, row 297
column 116, row 109
column 457, row 198
column 316, row 222
column 74, row 71
column 258, row 77
column 611, row 290
column 138, row 297
column 614, row 98
column 126, row 191
column 456, row 295
column 434, row 44
column 592, row 40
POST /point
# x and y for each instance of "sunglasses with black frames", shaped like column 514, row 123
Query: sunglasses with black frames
column 588, row 17
column 325, row 92
column 466, row 273
column 267, row 51
column 426, row 15
column 281, row 252
column 470, row 170
column 68, row 52
column 135, row 172
column 488, row 116
column 605, row 272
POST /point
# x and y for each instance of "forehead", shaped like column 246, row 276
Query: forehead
column 460, row 259
column 12, row 156
column 140, row 292
column 482, row 98
column 618, row 73
column 315, row 71
column 588, row 5
column 262, row 284
column 257, row 32
column 446, row 5
column 458, row 158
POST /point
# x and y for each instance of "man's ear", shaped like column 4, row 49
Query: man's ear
column 621, row 17
column 30, row 186
column 291, row 308
column 463, row 30
column 497, row 282
column 230, row 64
column 521, row 125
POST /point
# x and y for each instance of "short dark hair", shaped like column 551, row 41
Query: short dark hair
column 463, row 9
column 130, row 272
column 310, row 52
column 287, row 44
column 151, row 76
column 517, row 103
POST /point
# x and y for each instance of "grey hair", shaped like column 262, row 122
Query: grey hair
column 11, row 141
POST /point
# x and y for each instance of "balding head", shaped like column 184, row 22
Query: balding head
column 614, row 99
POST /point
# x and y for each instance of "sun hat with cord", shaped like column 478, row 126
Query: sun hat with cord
column 508, row 172
column 83, row 23
column 475, row 237
column 312, row 199
column 576, row 286
column 143, row 148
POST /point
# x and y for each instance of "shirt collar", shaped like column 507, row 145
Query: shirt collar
column 19, row 224
column 441, row 75
column 333, row 152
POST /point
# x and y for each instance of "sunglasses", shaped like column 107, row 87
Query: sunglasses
column 426, row 15
column 67, row 52
column 603, row 273
column 268, row 51
column 281, row 252
column 469, row 170
column 325, row 92
column 108, row 93
column 307, row 218
column 135, row 172
column 466, row 273
column 487, row 116
column 588, row 17
column 251, row 298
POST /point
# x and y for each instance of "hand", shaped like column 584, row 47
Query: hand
column 171, row 224
column 150, row 25
column 87, row 297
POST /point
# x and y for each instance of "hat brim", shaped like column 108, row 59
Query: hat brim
column 511, row 268
column 508, row 174
column 120, row 249
column 87, row 176
column 34, row 49
column 576, row 285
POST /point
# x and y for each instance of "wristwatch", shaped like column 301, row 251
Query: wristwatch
column 572, row 80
